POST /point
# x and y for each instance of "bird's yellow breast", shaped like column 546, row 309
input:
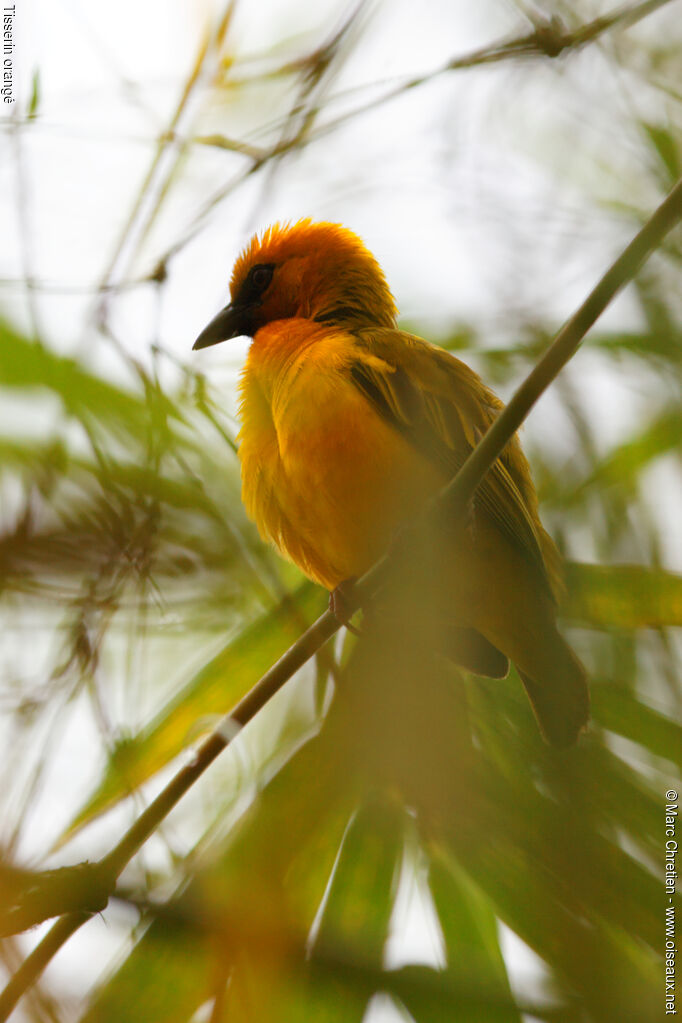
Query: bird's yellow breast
column 323, row 476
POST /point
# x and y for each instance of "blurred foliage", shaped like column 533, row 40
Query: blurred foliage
column 125, row 552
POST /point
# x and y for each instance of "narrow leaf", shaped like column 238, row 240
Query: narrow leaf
column 623, row 596
column 212, row 691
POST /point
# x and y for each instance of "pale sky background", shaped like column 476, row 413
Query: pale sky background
column 479, row 193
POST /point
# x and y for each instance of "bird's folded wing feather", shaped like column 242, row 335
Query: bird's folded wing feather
column 441, row 407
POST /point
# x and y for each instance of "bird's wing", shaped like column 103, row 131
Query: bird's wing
column 443, row 408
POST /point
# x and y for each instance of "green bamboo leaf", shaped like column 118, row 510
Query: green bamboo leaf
column 34, row 100
column 623, row 596
column 355, row 920
column 181, row 962
column 666, row 147
column 217, row 687
column 436, row 996
column 360, row 901
column 623, row 465
column 659, row 344
column 538, row 876
column 29, row 365
column 623, row 803
column 473, row 953
column 618, row 709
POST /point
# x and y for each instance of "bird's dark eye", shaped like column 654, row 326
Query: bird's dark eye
column 260, row 277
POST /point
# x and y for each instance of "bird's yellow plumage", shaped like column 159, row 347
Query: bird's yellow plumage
column 349, row 425
column 323, row 475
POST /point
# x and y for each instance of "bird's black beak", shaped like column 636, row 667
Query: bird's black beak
column 232, row 321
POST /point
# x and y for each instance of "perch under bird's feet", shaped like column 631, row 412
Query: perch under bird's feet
column 342, row 606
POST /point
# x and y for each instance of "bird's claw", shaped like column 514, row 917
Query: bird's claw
column 341, row 605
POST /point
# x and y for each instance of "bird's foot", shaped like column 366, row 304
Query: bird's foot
column 341, row 604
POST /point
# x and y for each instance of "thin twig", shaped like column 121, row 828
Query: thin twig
column 35, row 963
column 548, row 39
column 140, row 217
column 451, row 502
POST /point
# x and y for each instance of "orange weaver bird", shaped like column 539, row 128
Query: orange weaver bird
column 349, row 425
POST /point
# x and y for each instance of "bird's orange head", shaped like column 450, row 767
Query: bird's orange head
column 317, row 271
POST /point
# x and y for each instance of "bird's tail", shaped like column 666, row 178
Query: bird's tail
column 470, row 650
column 561, row 702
